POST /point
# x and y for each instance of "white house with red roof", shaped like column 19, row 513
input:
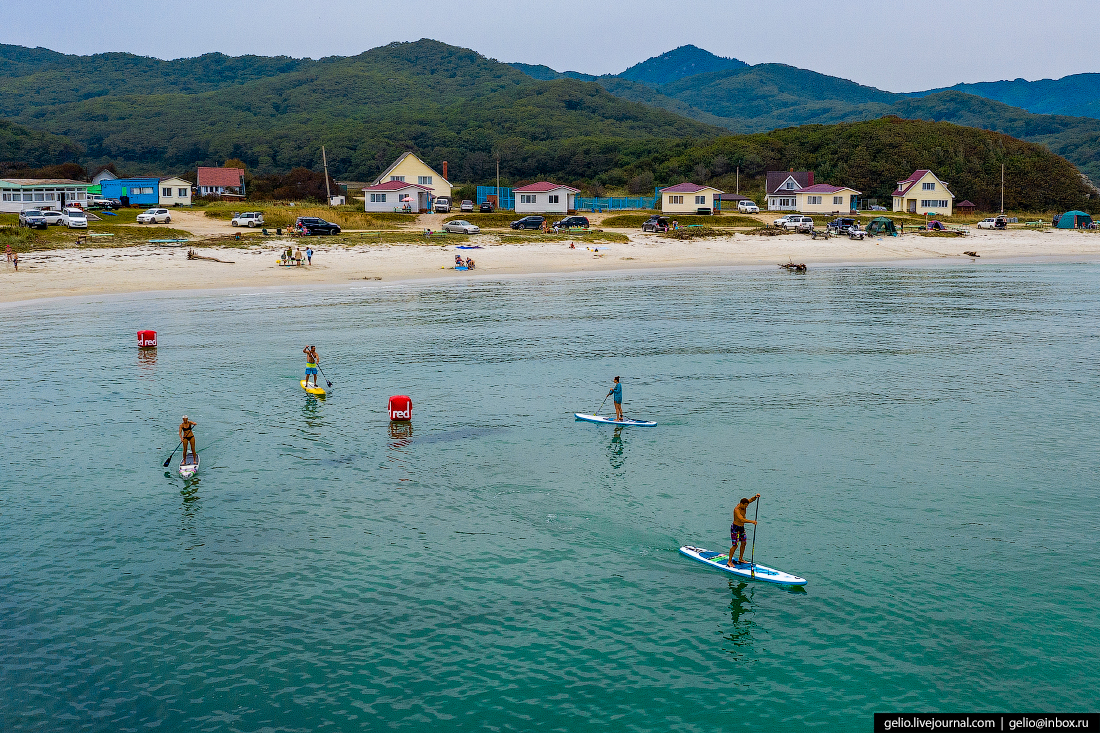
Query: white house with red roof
column 545, row 198
column 396, row 196
column 924, row 193
column 688, row 198
column 226, row 182
column 824, row 198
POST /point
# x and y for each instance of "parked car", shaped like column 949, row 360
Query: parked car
column 656, row 224
column 876, row 207
column 74, row 219
column 994, row 222
column 854, row 232
column 52, row 217
column 782, row 221
column 748, row 207
column 841, row 225
column 32, row 218
column 461, row 226
column 248, row 219
column 442, row 205
column 571, row 222
column 486, row 208
column 99, row 202
column 795, row 221
column 467, row 206
column 154, row 216
column 529, row 222
column 310, row 225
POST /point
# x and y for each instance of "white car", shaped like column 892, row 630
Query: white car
column 74, row 219
column 52, row 217
column 248, row 219
column 993, row 222
column 154, row 216
column 795, row 221
column 442, row 205
column 461, row 227
column 748, row 207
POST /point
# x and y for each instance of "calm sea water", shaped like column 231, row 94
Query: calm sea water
column 925, row 441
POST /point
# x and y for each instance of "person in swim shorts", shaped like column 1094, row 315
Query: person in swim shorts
column 311, row 363
column 617, row 390
column 737, row 530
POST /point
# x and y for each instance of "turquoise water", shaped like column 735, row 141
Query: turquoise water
column 924, row 440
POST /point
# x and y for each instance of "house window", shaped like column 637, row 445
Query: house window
column 28, row 197
column 928, row 186
column 933, row 204
column 423, row 180
column 7, row 197
column 397, row 178
column 813, row 200
column 49, row 197
column 838, row 200
column 554, row 199
column 378, row 198
column 676, row 199
column 701, row 200
column 790, row 185
column 403, row 198
column 527, row 198
column 182, row 193
column 166, row 192
column 40, row 197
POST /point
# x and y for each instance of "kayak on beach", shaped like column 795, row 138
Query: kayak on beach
column 613, row 421
column 746, row 570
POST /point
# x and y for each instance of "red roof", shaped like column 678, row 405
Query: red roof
column 687, row 187
column 824, row 188
column 220, row 177
column 909, row 182
column 543, row 187
column 396, row 186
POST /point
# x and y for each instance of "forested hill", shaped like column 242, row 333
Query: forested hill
column 34, row 148
column 1077, row 94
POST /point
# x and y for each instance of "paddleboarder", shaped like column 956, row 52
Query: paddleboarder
column 187, row 438
column 617, row 390
column 311, row 363
column 737, row 530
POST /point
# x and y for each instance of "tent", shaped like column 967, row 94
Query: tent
column 880, row 225
column 1074, row 220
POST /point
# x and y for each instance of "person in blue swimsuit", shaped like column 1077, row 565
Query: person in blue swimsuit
column 311, row 363
column 617, row 390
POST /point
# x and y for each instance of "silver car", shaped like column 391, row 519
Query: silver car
column 461, row 227
column 52, row 217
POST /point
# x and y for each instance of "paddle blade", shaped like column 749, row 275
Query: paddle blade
column 167, row 461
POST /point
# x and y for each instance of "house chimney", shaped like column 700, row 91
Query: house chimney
column 811, row 178
column 445, row 171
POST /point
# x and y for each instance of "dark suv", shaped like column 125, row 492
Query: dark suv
column 841, row 225
column 486, row 208
column 32, row 218
column 312, row 225
column 655, row 224
column 572, row 222
column 529, row 222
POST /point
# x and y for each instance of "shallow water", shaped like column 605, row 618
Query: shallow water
column 924, row 440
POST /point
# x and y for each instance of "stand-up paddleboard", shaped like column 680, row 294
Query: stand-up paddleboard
column 612, row 421
column 187, row 470
column 313, row 389
column 747, row 571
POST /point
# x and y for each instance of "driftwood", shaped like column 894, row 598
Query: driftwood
column 793, row 267
column 192, row 256
column 972, row 254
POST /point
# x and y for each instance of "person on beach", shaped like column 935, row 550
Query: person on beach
column 15, row 260
column 617, row 390
column 309, row 255
column 7, row 250
column 311, row 363
column 298, row 257
column 737, row 530
column 187, row 437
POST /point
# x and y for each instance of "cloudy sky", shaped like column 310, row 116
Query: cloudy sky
column 903, row 45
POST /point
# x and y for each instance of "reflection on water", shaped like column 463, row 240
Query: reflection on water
column 311, row 415
column 741, row 616
column 147, row 360
column 615, row 449
column 397, row 456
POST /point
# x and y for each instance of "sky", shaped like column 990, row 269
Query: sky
column 903, row 45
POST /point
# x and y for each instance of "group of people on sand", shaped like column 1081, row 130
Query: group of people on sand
column 294, row 256
column 468, row 263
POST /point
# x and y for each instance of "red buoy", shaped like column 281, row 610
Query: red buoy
column 147, row 339
column 401, row 407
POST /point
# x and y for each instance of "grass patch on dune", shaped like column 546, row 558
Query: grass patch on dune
column 625, row 221
column 34, row 240
column 589, row 236
column 281, row 215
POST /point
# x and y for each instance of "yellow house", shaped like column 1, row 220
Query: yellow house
column 688, row 198
column 411, row 169
column 924, row 193
column 175, row 192
column 823, row 198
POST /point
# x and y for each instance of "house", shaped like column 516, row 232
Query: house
column 923, row 193
column 132, row 191
column 823, row 198
column 175, row 192
column 410, row 169
column 781, row 187
column 397, row 196
column 545, row 198
column 17, row 194
column 104, row 175
column 688, row 198
column 965, row 207
column 223, row 182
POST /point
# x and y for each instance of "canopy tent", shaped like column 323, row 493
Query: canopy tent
column 880, row 225
column 1074, row 220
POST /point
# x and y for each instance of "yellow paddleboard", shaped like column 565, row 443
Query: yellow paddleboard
column 318, row 390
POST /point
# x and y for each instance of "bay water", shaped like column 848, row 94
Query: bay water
column 924, row 440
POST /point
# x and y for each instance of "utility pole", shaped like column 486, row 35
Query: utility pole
column 498, row 179
column 328, row 191
column 1002, row 188
column 738, row 190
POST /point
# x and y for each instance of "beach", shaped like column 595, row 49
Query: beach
column 157, row 267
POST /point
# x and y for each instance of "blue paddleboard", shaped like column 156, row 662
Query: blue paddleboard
column 717, row 560
column 613, row 421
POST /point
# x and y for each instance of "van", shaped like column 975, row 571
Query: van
column 442, row 205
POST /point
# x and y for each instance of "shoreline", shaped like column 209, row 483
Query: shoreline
column 57, row 274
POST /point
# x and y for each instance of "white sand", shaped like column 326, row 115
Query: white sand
column 96, row 271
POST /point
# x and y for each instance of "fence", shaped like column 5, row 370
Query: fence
column 506, row 199
column 620, row 203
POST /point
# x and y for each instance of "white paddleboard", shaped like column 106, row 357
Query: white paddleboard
column 312, row 389
column 187, row 470
column 747, row 571
column 613, row 421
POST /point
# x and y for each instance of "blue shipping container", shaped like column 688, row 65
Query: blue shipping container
column 139, row 191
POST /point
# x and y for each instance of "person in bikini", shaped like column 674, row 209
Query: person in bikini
column 187, row 437
column 311, row 363
column 737, row 530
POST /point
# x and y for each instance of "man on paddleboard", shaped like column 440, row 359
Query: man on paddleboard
column 737, row 529
column 617, row 390
column 311, row 363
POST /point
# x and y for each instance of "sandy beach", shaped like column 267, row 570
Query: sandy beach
column 75, row 272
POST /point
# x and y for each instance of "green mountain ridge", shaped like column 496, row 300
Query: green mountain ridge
column 1075, row 95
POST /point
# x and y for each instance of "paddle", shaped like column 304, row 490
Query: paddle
column 324, row 375
column 752, row 557
column 169, row 458
column 597, row 412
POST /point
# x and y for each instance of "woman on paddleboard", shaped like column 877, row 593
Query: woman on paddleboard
column 737, row 530
column 311, row 363
column 617, row 390
column 187, row 437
